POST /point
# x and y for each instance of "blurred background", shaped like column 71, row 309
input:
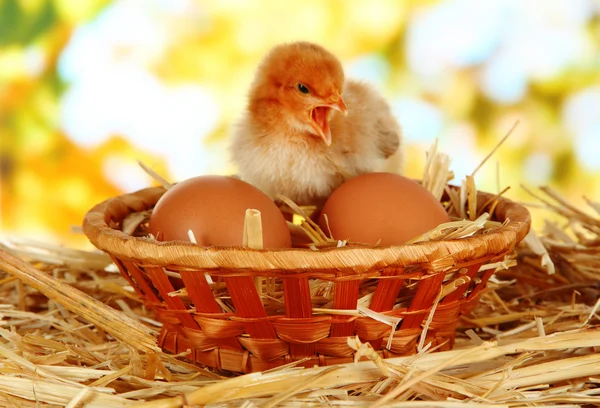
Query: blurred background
column 89, row 87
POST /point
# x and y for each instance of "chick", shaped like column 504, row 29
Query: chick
column 306, row 129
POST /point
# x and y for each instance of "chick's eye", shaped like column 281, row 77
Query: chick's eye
column 302, row 88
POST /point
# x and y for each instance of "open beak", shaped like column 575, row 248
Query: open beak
column 321, row 114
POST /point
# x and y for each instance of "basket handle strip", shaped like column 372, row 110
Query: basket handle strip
column 139, row 278
column 248, row 305
column 426, row 293
column 298, row 305
column 243, row 289
column 164, row 286
column 460, row 291
column 346, row 297
column 200, row 291
column 387, row 290
column 204, row 302
column 385, row 295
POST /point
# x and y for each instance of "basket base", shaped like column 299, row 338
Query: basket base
column 231, row 360
column 244, row 362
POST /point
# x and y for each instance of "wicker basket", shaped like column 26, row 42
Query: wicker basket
column 255, row 336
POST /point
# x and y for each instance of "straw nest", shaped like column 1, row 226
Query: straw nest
column 75, row 334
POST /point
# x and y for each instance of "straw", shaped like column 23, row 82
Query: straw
column 508, row 134
column 253, row 237
column 157, row 177
column 113, row 322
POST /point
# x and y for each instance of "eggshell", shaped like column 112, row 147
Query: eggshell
column 214, row 208
column 381, row 207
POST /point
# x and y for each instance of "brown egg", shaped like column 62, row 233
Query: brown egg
column 214, row 208
column 381, row 207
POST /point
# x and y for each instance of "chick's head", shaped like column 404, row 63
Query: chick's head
column 306, row 81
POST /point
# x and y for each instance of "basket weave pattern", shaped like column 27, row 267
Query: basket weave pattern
column 256, row 336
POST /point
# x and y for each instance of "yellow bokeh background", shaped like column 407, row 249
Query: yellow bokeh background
column 68, row 140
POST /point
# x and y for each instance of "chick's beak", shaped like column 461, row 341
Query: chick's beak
column 320, row 115
column 340, row 106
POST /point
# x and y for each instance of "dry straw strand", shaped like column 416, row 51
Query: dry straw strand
column 154, row 175
column 508, row 134
column 110, row 320
column 253, row 237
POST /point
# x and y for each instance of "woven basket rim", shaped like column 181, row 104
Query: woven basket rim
column 345, row 259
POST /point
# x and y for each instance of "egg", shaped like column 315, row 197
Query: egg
column 214, row 208
column 381, row 207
